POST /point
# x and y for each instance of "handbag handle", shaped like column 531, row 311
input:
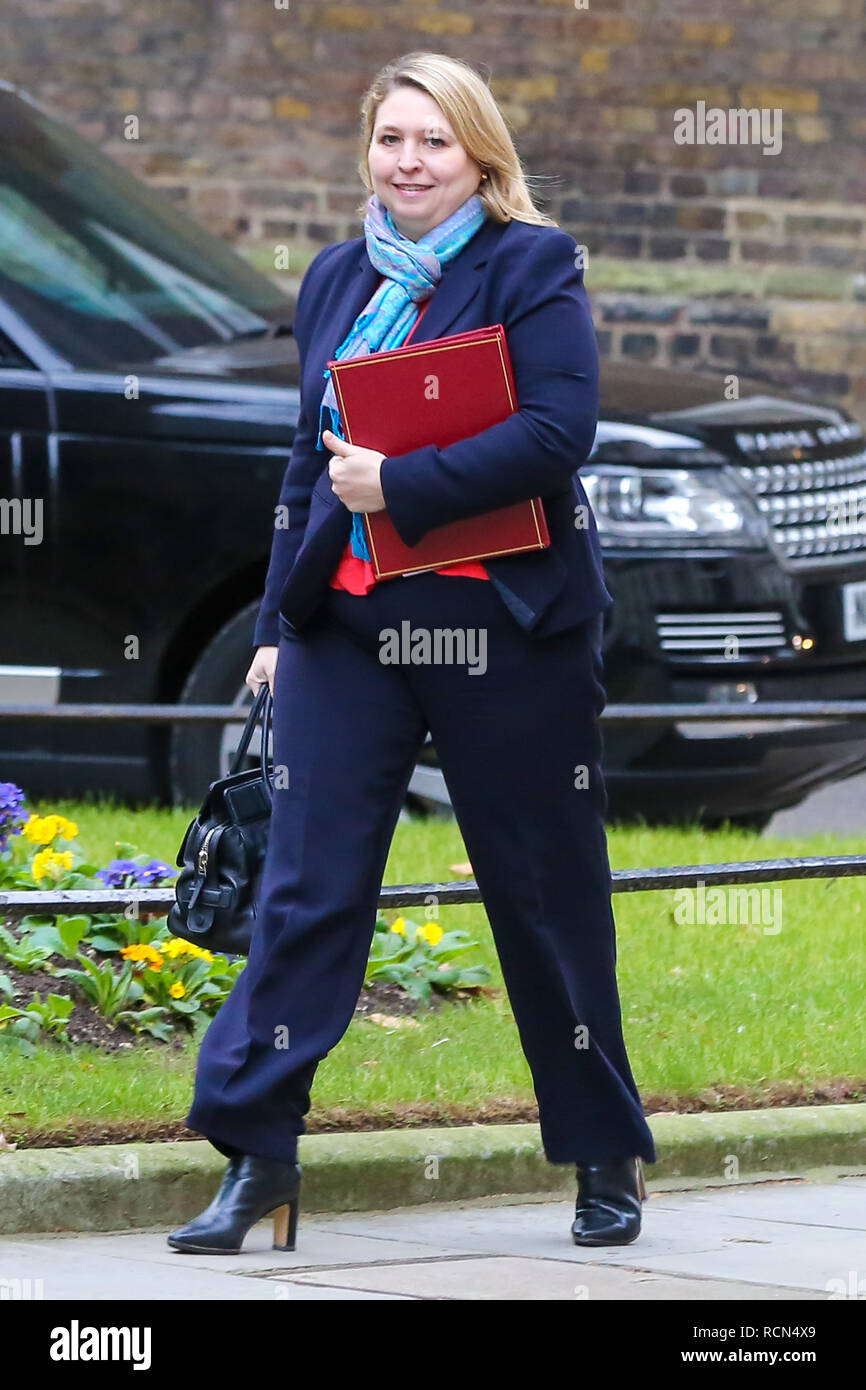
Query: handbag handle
column 262, row 702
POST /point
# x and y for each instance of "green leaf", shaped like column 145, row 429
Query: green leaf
column 447, row 977
column 71, row 930
column 25, row 1027
column 418, row 988
column 162, row 1031
column 143, row 1015
column 103, row 943
column 61, row 1004
column 76, row 922
column 474, row 975
column 45, row 937
column 124, row 850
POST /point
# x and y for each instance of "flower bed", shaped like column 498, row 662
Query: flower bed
column 107, row 978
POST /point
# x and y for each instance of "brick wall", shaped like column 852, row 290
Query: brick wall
column 815, row 349
column 248, row 116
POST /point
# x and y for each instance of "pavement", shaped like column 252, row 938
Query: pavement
column 839, row 809
column 763, row 1204
column 797, row 1239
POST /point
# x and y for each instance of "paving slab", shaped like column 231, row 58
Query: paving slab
column 321, row 1243
column 841, row 1203
column 787, row 1240
column 31, row 1270
column 526, row 1280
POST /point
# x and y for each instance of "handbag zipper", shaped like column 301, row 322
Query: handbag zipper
column 202, row 854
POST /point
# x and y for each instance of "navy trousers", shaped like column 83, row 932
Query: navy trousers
column 514, row 726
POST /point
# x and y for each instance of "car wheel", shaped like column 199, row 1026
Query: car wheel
column 200, row 753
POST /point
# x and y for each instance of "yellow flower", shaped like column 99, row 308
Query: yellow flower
column 431, row 933
column 141, row 951
column 39, row 867
column 177, row 990
column 178, row 947
column 50, row 862
column 41, row 830
column 399, row 926
column 38, row 830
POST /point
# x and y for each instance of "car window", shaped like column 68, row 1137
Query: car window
column 101, row 266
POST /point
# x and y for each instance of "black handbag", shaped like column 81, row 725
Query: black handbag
column 222, row 853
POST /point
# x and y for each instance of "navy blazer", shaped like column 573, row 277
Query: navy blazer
column 524, row 276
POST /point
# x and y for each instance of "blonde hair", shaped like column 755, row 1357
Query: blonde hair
column 476, row 120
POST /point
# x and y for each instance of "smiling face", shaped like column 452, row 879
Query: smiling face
column 417, row 168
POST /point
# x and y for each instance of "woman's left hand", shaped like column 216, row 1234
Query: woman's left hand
column 354, row 474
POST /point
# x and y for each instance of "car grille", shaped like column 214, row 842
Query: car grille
column 816, row 511
column 757, row 633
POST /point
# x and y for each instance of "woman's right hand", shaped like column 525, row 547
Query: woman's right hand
column 263, row 667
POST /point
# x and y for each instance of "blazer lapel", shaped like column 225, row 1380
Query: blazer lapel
column 359, row 291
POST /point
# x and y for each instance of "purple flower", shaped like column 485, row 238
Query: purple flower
column 117, row 872
column 120, row 871
column 151, row 872
column 11, row 798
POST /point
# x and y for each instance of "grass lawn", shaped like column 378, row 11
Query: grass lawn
column 714, row 1015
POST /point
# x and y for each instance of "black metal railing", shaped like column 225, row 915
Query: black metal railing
column 796, row 710
column 17, row 904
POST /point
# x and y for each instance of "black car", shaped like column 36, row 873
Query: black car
column 148, row 401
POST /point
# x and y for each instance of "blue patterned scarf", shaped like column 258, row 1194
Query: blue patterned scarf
column 412, row 269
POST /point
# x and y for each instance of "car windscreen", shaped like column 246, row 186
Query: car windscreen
column 104, row 268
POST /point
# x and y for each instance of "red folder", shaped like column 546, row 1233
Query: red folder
column 436, row 393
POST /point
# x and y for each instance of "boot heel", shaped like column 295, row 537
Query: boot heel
column 641, row 1185
column 286, row 1225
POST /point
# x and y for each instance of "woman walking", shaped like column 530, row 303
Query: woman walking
column 452, row 242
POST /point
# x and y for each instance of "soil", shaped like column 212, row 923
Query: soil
column 87, row 1025
column 379, row 997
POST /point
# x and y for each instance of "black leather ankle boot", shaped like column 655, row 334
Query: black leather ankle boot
column 251, row 1187
column 608, row 1207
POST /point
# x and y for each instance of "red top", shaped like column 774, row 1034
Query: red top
column 356, row 574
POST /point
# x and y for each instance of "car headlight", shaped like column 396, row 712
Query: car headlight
column 650, row 486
